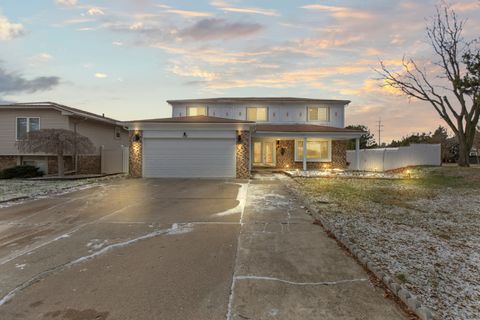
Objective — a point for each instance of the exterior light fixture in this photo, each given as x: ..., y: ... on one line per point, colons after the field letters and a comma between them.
x: 136, y: 137
x: 239, y: 138
x: 184, y: 134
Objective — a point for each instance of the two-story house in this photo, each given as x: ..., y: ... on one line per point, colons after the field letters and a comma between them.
x: 230, y: 137
x: 17, y: 119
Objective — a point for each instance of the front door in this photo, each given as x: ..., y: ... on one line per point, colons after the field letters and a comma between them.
x: 264, y: 153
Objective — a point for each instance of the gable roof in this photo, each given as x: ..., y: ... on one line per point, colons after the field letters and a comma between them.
x: 192, y: 119
x: 278, y: 100
x: 301, y: 128
x: 60, y: 107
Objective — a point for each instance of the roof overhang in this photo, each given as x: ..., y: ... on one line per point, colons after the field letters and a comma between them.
x: 64, y: 110
x: 301, y: 135
x: 147, y: 126
x: 247, y: 100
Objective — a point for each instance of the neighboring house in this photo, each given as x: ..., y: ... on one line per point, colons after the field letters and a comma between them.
x: 16, y: 120
x: 230, y: 137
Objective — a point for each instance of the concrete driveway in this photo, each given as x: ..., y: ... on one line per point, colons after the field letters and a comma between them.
x: 177, y: 249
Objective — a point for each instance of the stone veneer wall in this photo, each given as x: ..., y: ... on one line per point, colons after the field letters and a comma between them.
x: 287, y: 160
x: 7, y: 162
x: 243, y: 155
x: 89, y: 164
x: 135, y: 159
x: 53, y: 164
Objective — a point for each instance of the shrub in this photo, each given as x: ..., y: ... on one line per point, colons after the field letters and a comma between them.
x: 21, y: 172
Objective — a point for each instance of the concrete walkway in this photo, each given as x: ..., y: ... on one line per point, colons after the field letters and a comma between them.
x: 288, y: 268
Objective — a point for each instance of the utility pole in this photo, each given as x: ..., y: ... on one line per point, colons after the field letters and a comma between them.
x: 380, y: 129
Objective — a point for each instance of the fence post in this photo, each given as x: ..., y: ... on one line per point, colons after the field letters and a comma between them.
x: 357, y: 153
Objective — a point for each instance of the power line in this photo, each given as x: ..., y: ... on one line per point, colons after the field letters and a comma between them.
x: 380, y: 126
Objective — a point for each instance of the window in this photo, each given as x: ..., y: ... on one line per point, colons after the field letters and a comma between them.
x: 196, y: 111
x: 25, y: 125
x: 318, y: 114
x: 317, y: 150
x: 257, y: 114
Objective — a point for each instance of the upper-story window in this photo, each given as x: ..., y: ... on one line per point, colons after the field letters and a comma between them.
x: 196, y: 111
x: 257, y: 114
x: 318, y: 114
x: 25, y: 125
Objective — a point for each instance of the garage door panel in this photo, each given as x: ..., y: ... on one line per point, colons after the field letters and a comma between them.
x: 189, y: 157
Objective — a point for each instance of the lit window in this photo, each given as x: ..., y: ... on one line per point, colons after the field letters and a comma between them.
x: 196, y: 111
x: 25, y: 125
x: 257, y: 114
x: 318, y: 114
x: 317, y: 150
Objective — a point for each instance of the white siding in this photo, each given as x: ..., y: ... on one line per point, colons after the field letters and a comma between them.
x: 197, y: 158
x: 277, y: 113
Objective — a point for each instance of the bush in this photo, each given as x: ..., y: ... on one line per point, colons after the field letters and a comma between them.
x: 21, y: 172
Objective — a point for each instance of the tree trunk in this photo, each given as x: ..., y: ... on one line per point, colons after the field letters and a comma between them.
x: 463, y: 153
x: 61, y: 169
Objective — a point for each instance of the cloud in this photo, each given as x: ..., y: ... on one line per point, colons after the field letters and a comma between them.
x: 188, y: 13
x: 101, y: 75
x: 8, y: 30
x: 466, y: 6
x: 117, y: 43
x: 265, y: 12
x: 67, y: 3
x: 226, y: 6
x: 95, y: 11
x: 339, y: 12
x: 11, y: 82
x: 219, y: 29
x: 40, y: 58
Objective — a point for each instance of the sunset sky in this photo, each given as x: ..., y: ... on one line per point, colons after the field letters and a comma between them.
x: 124, y: 58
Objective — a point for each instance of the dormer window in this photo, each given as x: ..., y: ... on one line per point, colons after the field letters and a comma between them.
x: 257, y: 114
x: 318, y: 114
x: 196, y: 111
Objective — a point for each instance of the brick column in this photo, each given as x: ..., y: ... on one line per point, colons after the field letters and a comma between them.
x: 339, y: 154
x: 135, y: 157
x: 243, y: 154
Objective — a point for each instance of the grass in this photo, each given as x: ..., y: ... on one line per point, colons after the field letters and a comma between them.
x: 423, y: 230
x: 425, y: 183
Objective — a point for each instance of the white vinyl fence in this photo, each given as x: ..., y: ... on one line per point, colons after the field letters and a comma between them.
x: 392, y: 158
x: 115, y: 160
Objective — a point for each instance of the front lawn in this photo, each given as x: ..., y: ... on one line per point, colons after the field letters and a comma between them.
x: 424, y: 231
x: 19, y: 189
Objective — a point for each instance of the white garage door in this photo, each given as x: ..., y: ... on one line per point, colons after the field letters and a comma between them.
x: 198, y: 158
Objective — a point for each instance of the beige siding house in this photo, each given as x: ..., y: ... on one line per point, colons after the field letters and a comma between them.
x: 18, y: 119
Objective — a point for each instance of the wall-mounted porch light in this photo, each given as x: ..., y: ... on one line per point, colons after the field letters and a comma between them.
x: 184, y: 134
x: 239, y: 138
x: 136, y: 137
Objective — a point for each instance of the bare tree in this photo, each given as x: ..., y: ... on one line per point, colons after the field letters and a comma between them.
x: 56, y: 141
x: 455, y: 93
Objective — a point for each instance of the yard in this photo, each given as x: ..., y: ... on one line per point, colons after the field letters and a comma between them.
x: 423, y: 230
x: 22, y: 189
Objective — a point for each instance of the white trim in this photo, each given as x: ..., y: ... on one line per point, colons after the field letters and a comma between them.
x: 328, y: 159
x: 193, y: 106
x: 262, y: 151
x: 28, y: 125
x: 256, y: 120
x: 318, y: 107
x: 293, y: 135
